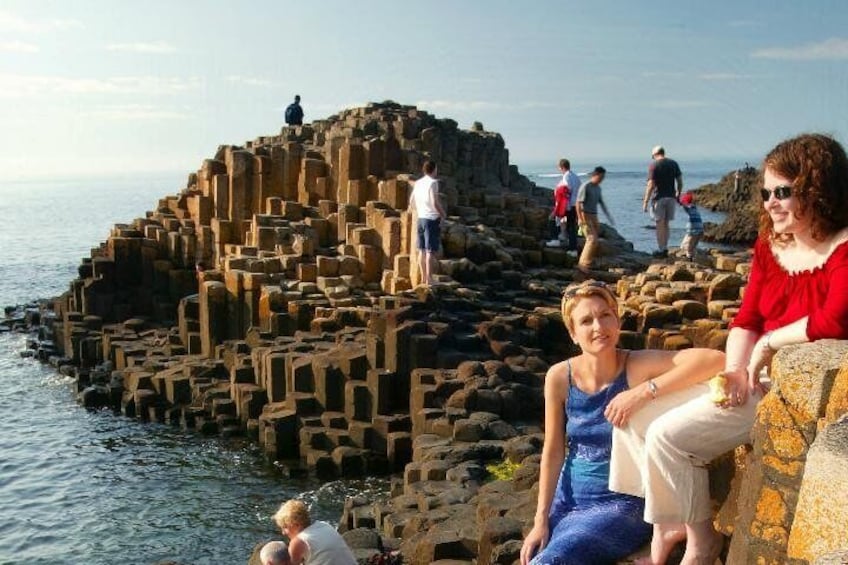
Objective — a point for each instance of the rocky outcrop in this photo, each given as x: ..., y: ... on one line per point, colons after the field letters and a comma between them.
x: 792, y: 497
x: 736, y: 194
x: 303, y: 330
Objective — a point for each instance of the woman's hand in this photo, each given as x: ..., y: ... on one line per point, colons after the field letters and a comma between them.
x: 535, y: 542
x: 737, y: 388
x: 760, y: 358
x: 624, y: 405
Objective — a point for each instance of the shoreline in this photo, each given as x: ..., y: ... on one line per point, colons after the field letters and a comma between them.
x: 310, y: 335
x: 356, y: 516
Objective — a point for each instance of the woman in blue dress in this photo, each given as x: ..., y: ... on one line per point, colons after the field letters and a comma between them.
x: 578, y: 519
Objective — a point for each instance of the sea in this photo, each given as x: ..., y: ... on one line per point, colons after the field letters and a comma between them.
x: 92, y: 487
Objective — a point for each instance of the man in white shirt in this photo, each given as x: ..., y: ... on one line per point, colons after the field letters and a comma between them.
x: 425, y: 201
x: 572, y: 181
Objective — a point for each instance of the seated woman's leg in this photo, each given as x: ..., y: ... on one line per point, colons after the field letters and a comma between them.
x: 678, y: 446
x: 604, y: 533
x: 627, y: 460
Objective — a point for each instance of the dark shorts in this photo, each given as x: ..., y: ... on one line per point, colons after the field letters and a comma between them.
x: 429, y: 234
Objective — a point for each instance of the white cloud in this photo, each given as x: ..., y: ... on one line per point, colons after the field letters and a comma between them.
x: 722, y: 76
x: 680, y: 104
x: 249, y: 81
x: 135, y: 112
x: 469, y: 105
x: 16, y: 46
x: 746, y: 23
x: 157, y: 47
x: 833, y: 48
x: 13, y: 23
x: 18, y: 86
x: 669, y: 75
x: 458, y: 105
x: 663, y: 74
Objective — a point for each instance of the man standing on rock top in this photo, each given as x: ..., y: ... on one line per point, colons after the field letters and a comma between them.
x: 663, y: 175
x: 294, y: 113
x: 425, y: 201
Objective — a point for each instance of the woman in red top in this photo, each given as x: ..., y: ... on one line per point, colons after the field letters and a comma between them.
x: 797, y: 292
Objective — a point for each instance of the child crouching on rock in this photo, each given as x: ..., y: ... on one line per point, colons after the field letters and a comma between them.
x: 694, y: 226
x: 311, y: 543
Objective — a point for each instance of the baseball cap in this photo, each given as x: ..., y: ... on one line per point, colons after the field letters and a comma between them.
x: 687, y: 198
x: 657, y: 149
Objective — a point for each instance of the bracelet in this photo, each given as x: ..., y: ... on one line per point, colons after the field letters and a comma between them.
x: 768, y: 342
x: 652, y: 387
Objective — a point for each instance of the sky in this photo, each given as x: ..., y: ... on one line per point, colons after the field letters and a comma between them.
x: 102, y: 87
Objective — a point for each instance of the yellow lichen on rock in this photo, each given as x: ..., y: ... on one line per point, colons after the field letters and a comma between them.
x: 771, y: 508
x: 838, y: 403
x: 787, y: 443
x: 821, y: 516
x: 788, y: 468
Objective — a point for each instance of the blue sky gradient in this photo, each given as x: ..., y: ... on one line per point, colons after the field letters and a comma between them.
x: 90, y: 87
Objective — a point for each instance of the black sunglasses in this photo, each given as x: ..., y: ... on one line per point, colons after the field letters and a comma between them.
x: 781, y: 192
x: 581, y: 288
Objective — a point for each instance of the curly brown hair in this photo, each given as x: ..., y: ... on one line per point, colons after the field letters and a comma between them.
x: 818, y: 167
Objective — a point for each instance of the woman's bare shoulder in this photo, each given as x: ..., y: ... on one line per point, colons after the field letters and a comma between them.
x: 558, y: 372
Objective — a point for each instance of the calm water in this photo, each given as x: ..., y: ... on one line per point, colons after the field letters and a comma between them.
x: 90, y: 487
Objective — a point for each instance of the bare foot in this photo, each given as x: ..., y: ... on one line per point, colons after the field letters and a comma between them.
x: 666, y: 536
x: 704, y: 555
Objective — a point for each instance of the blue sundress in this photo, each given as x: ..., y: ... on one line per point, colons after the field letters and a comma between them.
x: 589, y: 524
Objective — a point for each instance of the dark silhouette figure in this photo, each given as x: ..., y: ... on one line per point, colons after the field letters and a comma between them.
x: 294, y: 113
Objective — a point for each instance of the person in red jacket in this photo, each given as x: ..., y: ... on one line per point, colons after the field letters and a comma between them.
x: 562, y: 199
x: 797, y: 292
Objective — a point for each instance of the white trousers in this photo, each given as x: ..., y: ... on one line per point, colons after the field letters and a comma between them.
x: 662, y: 453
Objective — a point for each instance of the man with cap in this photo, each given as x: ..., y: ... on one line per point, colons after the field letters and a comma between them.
x: 665, y: 183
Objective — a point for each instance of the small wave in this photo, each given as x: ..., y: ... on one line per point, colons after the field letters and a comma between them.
x: 57, y: 380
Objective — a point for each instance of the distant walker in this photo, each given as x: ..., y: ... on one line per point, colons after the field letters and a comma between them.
x: 294, y: 113
x: 665, y: 183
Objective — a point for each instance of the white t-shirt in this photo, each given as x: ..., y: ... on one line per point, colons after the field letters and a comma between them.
x: 573, y: 181
x: 423, y: 197
x: 325, y: 546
